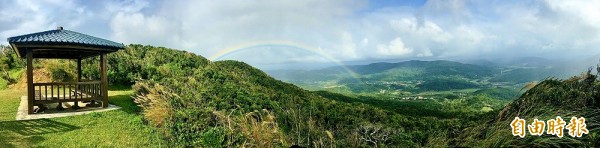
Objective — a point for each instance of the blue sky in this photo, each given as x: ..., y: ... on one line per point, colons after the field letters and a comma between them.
x: 378, y: 4
x: 327, y: 30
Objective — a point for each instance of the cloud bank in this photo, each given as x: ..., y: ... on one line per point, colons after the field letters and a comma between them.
x: 345, y: 30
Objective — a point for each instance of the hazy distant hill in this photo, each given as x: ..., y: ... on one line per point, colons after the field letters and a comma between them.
x: 408, y: 70
x: 440, y: 75
x: 407, y: 76
x: 523, y: 75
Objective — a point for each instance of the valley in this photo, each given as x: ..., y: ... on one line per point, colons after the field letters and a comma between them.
x: 420, y: 79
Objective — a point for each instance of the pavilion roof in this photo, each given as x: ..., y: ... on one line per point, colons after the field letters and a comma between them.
x: 63, y: 44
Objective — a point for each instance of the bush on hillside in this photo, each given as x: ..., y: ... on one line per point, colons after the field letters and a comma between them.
x: 577, y: 96
x: 209, y: 99
x: 60, y: 75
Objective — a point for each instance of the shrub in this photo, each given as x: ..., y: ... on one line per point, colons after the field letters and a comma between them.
x: 213, y: 137
x: 60, y: 75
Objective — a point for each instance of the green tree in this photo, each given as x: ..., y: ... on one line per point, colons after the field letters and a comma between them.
x: 8, y: 61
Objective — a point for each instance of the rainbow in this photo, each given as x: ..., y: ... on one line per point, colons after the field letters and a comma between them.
x: 282, y: 43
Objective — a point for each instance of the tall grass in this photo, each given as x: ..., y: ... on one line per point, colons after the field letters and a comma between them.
x: 255, y: 129
x: 577, y: 96
x: 156, y: 108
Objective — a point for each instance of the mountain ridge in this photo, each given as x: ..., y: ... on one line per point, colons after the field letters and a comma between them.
x: 435, y: 68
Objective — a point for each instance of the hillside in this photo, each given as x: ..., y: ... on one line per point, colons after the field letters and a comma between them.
x: 574, y: 97
x: 238, y: 105
x: 192, y: 101
x: 195, y: 102
x: 229, y: 103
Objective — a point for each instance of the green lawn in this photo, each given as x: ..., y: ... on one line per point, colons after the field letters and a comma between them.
x: 9, y: 102
x: 3, y: 84
x: 118, y: 128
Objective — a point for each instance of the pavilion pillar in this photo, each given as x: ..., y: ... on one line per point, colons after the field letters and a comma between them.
x: 76, y: 104
x: 79, y: 70
x: 30, y: 89
x: 104, y: 82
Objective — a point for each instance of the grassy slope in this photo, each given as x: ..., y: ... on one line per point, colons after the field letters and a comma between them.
x: 119, y: 128
x: 13, y: 73
x: 229, y: 86
x: 550, y: 98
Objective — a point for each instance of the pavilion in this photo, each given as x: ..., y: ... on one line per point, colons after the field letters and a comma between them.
x: 64, y: 44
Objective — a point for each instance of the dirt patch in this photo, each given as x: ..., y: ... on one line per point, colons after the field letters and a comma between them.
x: 39, y: 76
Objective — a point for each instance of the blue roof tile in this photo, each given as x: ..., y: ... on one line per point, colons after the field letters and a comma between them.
x: 64, y: 36
x: 62, y: 44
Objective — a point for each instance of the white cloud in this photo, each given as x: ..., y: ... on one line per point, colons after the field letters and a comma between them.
x: 425, y: 53
x: 365, y: 42
x: 348, y: 46
x: 27, y: 16
x: 585, y: 10
x: 427, y: 30
x: 138, y: 28
x: 346, y: 30
x: 394, y: 48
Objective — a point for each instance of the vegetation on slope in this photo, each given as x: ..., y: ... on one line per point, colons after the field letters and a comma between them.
x: 499, y: 93
x: 445, y: 84
x: 230, y: 103
x: 9, y: 66
x: 577, y: 96
x: 221, y: 103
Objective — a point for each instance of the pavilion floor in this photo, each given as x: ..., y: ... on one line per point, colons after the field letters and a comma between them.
x: 52, y: 112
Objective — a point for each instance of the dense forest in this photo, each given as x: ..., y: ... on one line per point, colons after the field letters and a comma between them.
x: 201, y: 103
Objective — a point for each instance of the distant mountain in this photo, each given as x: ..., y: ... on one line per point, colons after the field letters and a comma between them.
x: 480, y: 62
x: 438, y: 75
x: 401, y: 71
x: 528, y: 62
x: 439, y: 67
x: 523, y: 75
x: 527, y: 69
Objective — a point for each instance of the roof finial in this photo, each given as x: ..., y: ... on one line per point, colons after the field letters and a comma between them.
x: 59, y: 28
